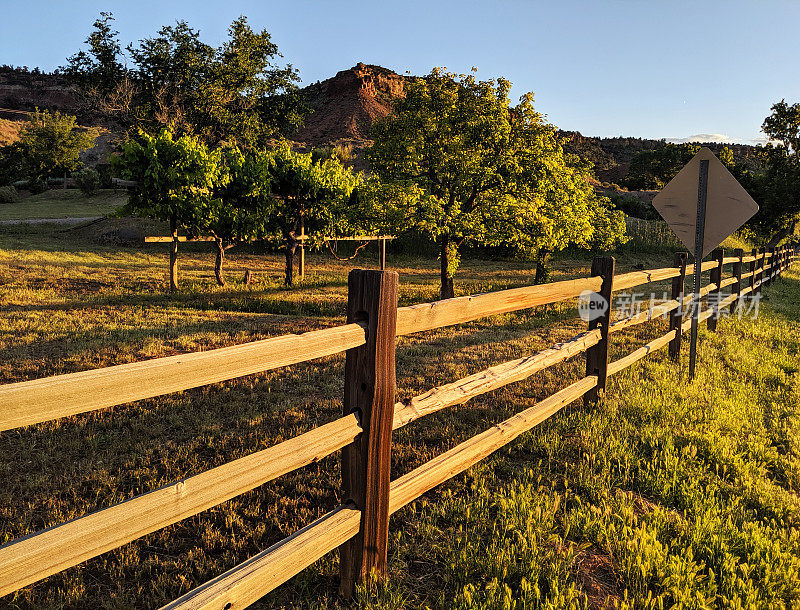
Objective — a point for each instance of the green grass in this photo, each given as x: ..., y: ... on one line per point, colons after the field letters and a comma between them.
x: 665, y: 494
x: 69, y: 203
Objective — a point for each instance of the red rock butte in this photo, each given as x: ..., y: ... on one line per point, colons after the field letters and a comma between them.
x: 347, y: 105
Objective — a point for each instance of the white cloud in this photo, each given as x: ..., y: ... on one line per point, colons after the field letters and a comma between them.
x: 720, y: 138
x: 704, y: 137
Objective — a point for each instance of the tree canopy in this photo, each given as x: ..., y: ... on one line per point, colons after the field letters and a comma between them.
x: 237, y: 92
x: 50, y: 143
x: 487, y: 173
x: 175, y: 181
x: 315, y: 198
x: 777, y: 187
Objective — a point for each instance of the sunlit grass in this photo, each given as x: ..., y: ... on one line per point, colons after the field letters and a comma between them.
x: 64, y: 203
x: 664, y: 493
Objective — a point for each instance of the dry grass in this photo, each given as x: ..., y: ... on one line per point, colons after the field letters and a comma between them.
x: 9, y: 131
x: 68, y: 305
x: 60, y: 203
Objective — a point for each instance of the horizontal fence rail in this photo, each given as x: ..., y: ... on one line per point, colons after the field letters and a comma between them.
x: 368, y: 343
x: 41, y: 400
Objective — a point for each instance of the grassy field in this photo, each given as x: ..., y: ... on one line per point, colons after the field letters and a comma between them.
x: 69, y: 203
x: 665, y: 494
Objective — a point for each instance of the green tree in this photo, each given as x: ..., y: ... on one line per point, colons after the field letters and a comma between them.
x: 242, y: 206
x: 51, y: 143
x: 99, y: 68
x: 236, y: 93
x: 175, y: 180
x: 487, y: 173
x: 653, y: 169
x: 315, y: 198
x: 777, y: 186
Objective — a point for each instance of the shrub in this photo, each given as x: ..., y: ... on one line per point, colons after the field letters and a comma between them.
x: 8, y: 194
x: 37, y: 186
x: 88, y: 180
x: 106, y: 173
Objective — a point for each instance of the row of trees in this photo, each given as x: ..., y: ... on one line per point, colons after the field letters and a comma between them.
x: 237, y: 195
x: 455, y: 163
x: 237, y: 92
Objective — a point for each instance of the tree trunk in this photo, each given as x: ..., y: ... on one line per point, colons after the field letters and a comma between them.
x: 301, y: 267
x: 173, y: 257
x: 780, y: 235
x: 219, y: 262
x: 541, y: 267
x: 291, y: 245
x: 446, y: 291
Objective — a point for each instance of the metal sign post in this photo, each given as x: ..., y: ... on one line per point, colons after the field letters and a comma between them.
x: 699, y: 233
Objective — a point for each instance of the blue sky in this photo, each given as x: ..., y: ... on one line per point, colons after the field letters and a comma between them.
x: 635, y: 68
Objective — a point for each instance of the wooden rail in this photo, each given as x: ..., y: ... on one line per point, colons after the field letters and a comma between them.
x: 39, y: 555
x: 429, y: 316
x: 359, y: 527
x: 40, y: 400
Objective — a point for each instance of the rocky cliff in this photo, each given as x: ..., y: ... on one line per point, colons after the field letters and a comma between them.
x: 346, y: 105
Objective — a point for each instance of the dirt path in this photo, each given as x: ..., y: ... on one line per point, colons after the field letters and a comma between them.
x: 57, y: 221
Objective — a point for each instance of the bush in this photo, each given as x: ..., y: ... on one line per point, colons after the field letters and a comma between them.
x: 88, y: 180
x: 8, y: 194
x: 37, y: 186
x: 106, y: 173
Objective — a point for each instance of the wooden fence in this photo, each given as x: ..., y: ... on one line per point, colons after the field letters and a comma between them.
x: 359, y: 526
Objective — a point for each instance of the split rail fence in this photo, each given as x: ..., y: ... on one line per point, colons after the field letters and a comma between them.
x: 359, y: 526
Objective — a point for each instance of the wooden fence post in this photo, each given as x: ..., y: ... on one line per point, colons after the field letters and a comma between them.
x: 714, y: 295
x: 737, y: 273
x: 369, y: 388
x: 760, y: 270
x: 676, y: 317
x: 597, y: 355
x: 753, y: 268
x: 173, y: 260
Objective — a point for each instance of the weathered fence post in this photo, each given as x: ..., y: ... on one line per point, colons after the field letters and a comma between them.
x: 753, y: 268
x: 676, y: 317
x: 369, y: 388
x: 597, y: 355
x: 737, y: 273
x: 714, y: 295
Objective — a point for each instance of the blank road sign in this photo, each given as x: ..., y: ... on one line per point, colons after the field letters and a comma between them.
x: 728, y: 206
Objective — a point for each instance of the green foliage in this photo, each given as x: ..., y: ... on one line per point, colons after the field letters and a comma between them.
x: 99, y: 68
x: 88, y: 180
x: 51, y: 143
x: 632, y: 205
x: 653, y: 169
x: 175, y: 178
x: 8, y: 194
x: 487, y: 173
x: 234, y: 93
x: 777, y: 187
x: 11, y: 163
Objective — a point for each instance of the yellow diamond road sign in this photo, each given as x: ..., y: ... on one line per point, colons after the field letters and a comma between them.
x: 728, y: 206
